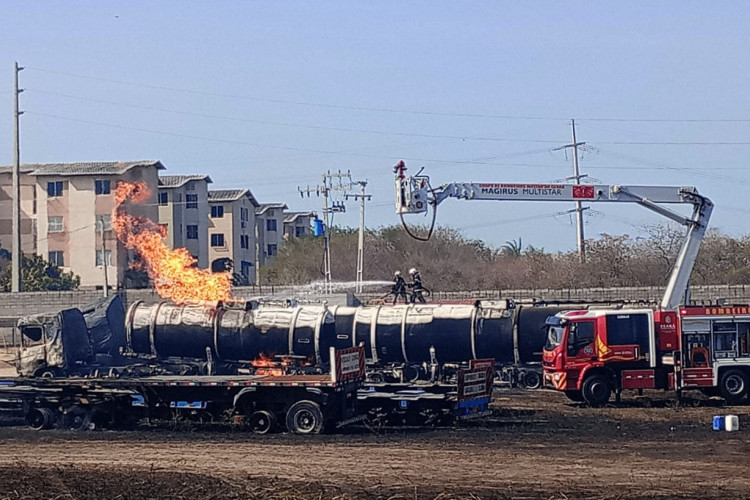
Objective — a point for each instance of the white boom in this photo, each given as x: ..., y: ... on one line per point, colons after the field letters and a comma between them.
x: 414, y: 195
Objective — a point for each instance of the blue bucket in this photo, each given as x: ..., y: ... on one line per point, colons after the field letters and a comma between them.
x: 718, y: 423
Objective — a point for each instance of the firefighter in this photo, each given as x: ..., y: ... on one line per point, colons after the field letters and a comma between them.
x: 416, y: 286
x: 399, y: 287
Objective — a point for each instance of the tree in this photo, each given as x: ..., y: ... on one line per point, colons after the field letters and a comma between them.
x: 38, y: 275
x: 512, y: 248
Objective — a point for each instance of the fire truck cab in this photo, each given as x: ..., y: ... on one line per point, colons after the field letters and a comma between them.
x: 592, y: 353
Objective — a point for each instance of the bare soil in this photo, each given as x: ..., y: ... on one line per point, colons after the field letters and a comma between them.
x: 537, y: 446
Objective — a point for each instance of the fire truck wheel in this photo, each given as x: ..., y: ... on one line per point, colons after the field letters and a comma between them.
x: 304, y: 417
x: 261, y: 422
x: 596, y: 390
x: 576, y: 396
x: 734, y: 385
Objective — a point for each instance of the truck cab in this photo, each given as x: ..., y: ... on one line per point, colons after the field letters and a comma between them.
x: 591, y: 353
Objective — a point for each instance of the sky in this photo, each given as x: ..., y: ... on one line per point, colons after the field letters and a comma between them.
x: 269, y: 95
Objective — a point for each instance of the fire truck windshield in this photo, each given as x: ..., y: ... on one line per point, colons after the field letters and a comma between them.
x: 554, y: 337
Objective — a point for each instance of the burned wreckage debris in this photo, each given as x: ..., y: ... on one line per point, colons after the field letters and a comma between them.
x: 215, y: 360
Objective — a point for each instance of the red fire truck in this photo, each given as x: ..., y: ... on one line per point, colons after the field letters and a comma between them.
x: 591, y: 354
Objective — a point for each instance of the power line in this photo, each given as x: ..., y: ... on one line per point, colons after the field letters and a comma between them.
x: 390, y: 110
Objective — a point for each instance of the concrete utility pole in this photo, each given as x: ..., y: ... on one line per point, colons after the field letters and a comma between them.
x: 16, y: 254
x: 362, y: 197
x: 577, y: 179
x: 325, y: 188
x: 104, y: 256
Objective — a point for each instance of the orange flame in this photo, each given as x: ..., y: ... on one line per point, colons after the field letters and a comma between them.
x: 173, y: 271
x: 264, y: 365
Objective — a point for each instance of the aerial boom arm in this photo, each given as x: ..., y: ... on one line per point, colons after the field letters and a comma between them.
x: 414, y: 195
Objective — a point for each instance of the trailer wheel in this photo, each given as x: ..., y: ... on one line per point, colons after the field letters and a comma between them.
x: 305, y: 417
x: 532, y: 379
x: 77, y: 418
x: 40, y: 418
x: 734, y: 386
x: 262, y: 422
x: 596, y: 390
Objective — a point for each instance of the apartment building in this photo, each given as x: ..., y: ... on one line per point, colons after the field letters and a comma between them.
x: 298, y: 224
x: 72, y: 202
x: 232, y: 232
x: 269, y: 231
x: 28, y: 209
x: 184, y: 213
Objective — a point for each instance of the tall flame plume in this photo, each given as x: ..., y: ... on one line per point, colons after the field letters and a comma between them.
x: 172, y: 271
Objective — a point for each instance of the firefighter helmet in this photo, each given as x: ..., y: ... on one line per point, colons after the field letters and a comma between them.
x: 413, y: 270
x: 397, y: 273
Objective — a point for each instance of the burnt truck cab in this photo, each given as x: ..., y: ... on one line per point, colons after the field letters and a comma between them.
x: 52, y: 344
x: 591, y: 353
x: 71, y: 341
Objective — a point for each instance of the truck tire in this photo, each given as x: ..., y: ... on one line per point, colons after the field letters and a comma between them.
x: 596, y: 390
x: 532, y: 379
x: 40, y: 418
x: 262, y: 422
x: 734, y: 386
x: 76, y: 418
x: 305, y: 417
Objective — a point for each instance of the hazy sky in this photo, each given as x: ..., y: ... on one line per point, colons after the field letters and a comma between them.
x: 269, y: 95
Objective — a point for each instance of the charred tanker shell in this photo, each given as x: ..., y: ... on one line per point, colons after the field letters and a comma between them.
x: 232, y: 332
x: 508, y: 332
x: 501, y: 330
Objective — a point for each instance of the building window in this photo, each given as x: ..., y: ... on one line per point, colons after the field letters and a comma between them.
x: 163, y: 198
x: 164, y: 229
x: 217, y: 240
x: 191, y: 186
x: 217, y: 211
x: 107, y: 219
x: 107, y: 256
x: 244, y: 214
x: 55, y: 224
x: 191, y: 200
x: 54, y: 188
x: 57, y: 258
x: 245, y: 268
x: 244, y: 241
x: 192, y: 232
x: 299, y: 231
x: 271, y: 225
x: 33, y: 206
x: 272, y: 250
x: 101, y: 186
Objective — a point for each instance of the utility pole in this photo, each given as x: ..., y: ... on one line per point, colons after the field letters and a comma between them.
x: 16, y: 254
x: 104, y: 256
x: 577, y: 180
x: 362, y: 197
x: 326, y: 188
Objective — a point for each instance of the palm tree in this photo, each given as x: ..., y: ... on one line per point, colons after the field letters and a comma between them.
x: 512, y: 248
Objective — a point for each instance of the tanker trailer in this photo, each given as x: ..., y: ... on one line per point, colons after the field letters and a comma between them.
x: 231, y: 332
x: 409, y: 341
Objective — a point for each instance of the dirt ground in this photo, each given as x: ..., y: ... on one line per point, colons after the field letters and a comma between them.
x: 537, y: 446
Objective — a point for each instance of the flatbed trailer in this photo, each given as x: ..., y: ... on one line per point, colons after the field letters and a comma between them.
x: 303, y: 404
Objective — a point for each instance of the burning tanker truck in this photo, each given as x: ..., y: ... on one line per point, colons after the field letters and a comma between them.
x: 402, y: 342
